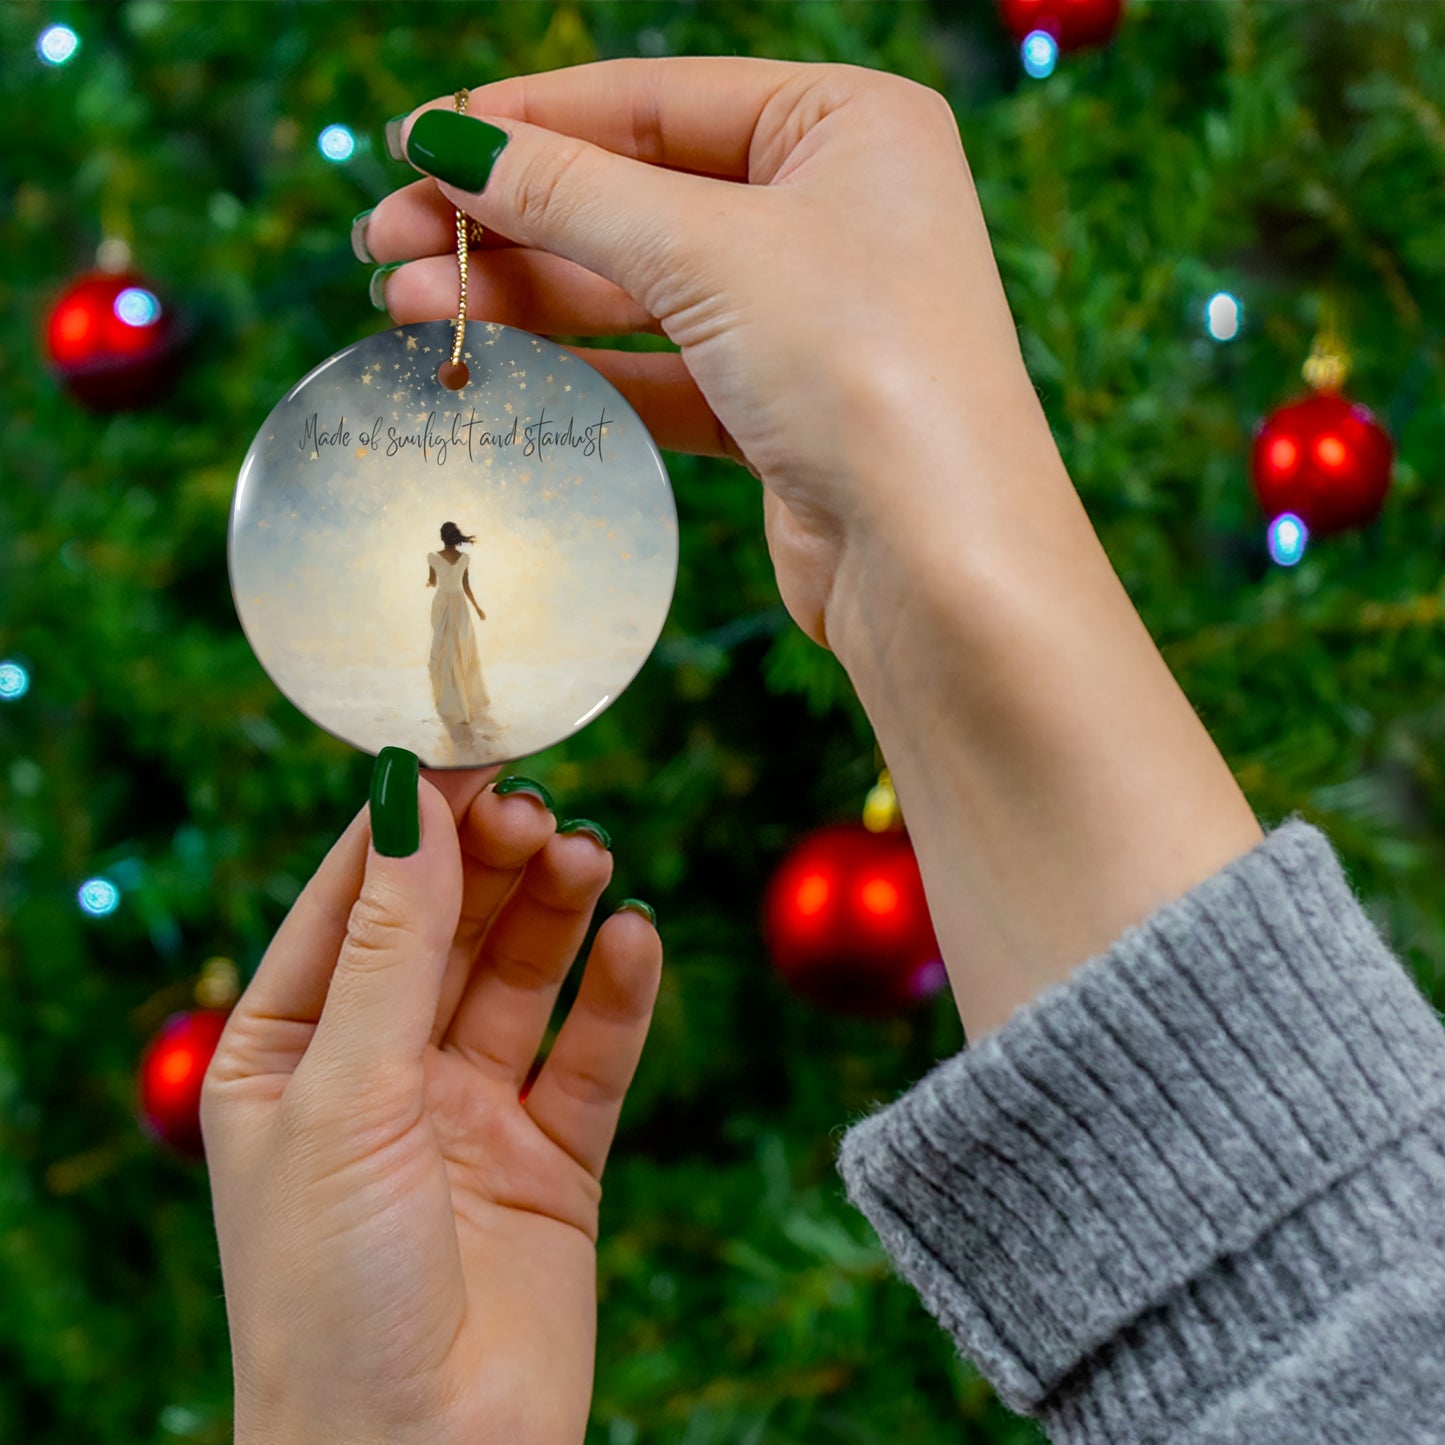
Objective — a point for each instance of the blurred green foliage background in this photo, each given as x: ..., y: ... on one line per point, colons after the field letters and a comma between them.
x: 1288, y: 153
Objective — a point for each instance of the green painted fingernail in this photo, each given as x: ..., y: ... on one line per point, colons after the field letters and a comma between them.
x: 586, y: 825
x: 455, y: 148
x: 377, y: 289
x: 529, y: 786
x: 359, y: 248
x: 636, y: 905
x: 395, y: 811
x: 393, y: 137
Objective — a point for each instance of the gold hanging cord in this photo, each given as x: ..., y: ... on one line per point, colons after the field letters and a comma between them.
x: 454, y: 374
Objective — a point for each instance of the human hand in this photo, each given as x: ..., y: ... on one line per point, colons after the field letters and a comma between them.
x: 407, y: 1245
x: 842, y: 325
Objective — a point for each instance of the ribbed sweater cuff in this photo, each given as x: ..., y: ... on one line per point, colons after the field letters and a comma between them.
x: 1232, y: 1058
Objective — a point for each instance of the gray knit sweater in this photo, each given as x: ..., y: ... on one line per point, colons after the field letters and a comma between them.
x: 1196, y: 1193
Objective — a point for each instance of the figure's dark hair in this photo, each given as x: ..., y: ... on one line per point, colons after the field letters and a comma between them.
x: 452, y: 534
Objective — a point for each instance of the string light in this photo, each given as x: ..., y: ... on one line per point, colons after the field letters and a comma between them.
x: 1287, y: 538
x: 1223, y: 316
x: 57, y: 44
x: 98, y: 897
x: 137, y: 307
x: 1040, y: 54
x: 14, y: 681
x: 336, y: 143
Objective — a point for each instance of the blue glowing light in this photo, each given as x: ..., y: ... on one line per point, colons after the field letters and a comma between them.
x: 14, y: 681
x: 1223, y: 316
x: 1287, y: 538
x: 57, y: 44
x: 98, y: 897
x: 137, y: 307
x: 337, y: 143
x: 1040, y: 53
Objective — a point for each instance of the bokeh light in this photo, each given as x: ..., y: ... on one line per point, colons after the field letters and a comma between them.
x: 57, y: 44
x: 1287, y: 538
x: 98, y: 897
x: 138, y: 307
x: 1040, y: 53
x: 14, y: 681
x: 336, y: 143
x: 1223, y: 316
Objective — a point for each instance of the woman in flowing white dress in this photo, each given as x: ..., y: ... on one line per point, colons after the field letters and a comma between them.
x: 458, y: 690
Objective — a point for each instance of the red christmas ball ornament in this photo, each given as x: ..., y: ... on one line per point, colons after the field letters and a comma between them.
x: 1324, y: 458
x: 111, y: 341
x: 1074, y: 24
x: 171, y: 1072
x: 847, y: 923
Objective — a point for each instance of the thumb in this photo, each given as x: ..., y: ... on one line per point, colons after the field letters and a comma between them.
x: 623, y: 219
x: 382, y: 1000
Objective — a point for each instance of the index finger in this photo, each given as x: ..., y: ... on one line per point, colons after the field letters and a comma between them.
x: 687, y: 112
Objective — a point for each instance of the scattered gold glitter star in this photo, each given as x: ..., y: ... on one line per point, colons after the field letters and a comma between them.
x: 506, y: 406
x: 366, y: 378
x: 550, y: 377
x: 411, y: 343
x: 568, y: 387
x: 360, y: 452
x: 314, y: 457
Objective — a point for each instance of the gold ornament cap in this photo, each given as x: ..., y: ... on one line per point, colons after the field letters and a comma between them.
x: 881, y: 813
x: 219, y: 985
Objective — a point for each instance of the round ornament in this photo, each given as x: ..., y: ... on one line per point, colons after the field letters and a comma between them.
x: 111, y: 341
x: 847, y: 923
x: 1073, y: 24
x: 471, y: 565
x: 1324, y: 458
x: 172, y: 1071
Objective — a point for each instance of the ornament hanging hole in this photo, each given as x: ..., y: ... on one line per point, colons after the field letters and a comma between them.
x: 453, y: 375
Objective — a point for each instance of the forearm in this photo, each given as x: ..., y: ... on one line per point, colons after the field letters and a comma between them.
x: 1056, y: 782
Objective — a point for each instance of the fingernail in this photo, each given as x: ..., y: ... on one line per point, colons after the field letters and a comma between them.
x: 395, y: 811
x: 532, y: 788
x: 377, y: 289
x: 359, y: 248
x: 636, y: 905
x: 586, y: 825
x: 393, y: 137
x: 455, y: 148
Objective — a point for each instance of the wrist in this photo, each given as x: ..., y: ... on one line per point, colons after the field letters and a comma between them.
x: 1056, y: 782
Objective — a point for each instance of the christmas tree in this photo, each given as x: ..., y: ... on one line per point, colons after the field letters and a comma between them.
x: 1277, y: 163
